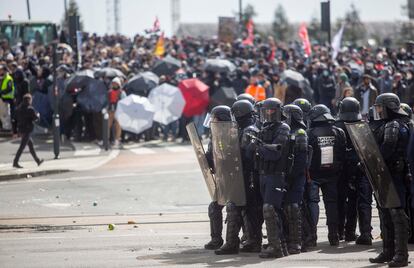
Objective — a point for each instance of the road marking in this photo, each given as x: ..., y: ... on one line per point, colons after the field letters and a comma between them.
x: 178, y: 149
x: 142, y: 151
x: 87, y: 152
x: 121, y: 175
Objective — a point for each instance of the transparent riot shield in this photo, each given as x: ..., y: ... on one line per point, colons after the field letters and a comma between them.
x: 375, y: 168
x: 228, y: 163
x: 202, y: 161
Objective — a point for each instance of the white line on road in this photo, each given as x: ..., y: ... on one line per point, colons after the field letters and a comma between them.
x: 87, y: 152
x: 178, y: 149
x: 121, y: 175
x: 141, y: 151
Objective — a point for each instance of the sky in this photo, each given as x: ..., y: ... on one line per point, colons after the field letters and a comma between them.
x: 138, y: 15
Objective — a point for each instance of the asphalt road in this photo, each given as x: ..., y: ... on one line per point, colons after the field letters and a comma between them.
x: 158, y: 202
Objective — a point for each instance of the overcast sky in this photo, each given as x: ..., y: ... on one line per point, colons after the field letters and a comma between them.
x: 137, y: 15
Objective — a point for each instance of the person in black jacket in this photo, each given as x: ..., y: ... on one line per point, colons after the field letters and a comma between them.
x: 328, y: 143
x: 26, y: 115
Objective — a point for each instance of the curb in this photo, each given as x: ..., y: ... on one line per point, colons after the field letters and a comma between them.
x: 26, y: 175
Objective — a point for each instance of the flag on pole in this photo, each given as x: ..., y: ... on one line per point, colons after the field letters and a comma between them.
x: 336, y: 42
x: 303, y: 34
x: 156, y: 25
x: 250, y: 36
x: 159, y: 47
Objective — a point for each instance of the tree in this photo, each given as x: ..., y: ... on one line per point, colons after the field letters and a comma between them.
x: 248, y: 13
x: 73, y: 9
x: 406, y: 31
x: 354, y: 31
x: 314, y: 30
x: 281, y: 28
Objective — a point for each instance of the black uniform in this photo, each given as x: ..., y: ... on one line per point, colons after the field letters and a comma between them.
x: 296, y: 177
x: 273, y: 164
x: 392, y: 136
x: 328, y: 143
x: 354, y: 189
x: 243, y: 111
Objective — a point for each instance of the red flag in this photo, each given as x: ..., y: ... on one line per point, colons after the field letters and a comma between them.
x: 250, y: 36
x: 156, y: 26
x: 303, y: 34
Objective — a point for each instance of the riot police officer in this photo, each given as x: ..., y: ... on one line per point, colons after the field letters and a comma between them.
x: 273, y: 164
x: 392, y: 137
x: 355, y: 194
x: 296, y: 177
x: 218, y: 113
x: 328, y: 143
x: 244, y: 114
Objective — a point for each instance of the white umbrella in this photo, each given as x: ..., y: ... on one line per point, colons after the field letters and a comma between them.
x: 135, y: 113
x: 168, y: 102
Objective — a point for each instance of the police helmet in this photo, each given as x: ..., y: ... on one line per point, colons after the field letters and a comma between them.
x: 247, y: 97
x: 221, y: 113
x: 272, y: 110
x: 293, y: 113
x: 349, y: 110
x: 303, y: 104
x: 385, y: 104
x: 320, y: 113
x: 407, y: 109
x: 242, y: 108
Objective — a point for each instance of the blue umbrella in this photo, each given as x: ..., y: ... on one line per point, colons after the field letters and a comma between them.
x: 42, y: 106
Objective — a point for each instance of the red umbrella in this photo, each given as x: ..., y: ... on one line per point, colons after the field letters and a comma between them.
x: 196, y: 96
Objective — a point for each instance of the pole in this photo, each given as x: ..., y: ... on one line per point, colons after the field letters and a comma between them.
x: 28, y: 9
x: 105, y: 129
x: 329, y: 29
x: 56, y: 118
x: 240, y: 12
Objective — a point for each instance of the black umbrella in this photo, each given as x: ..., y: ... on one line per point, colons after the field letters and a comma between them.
x: 79, y: 81
x: 141, y: 84
x: 223, y: 96
x: 297, y: 86
x: 109, y: 73
x: 219, y: 65
x: 94, y: 97
x: 293, y: 78
x: 66, y: 106
x: 167, y: 66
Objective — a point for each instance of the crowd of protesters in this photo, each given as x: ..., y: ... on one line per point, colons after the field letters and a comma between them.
x: 362, y: 72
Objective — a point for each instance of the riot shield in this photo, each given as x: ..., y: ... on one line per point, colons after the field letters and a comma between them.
x: 374, y: 165
x: 227, y: 163
x: 202, y: 161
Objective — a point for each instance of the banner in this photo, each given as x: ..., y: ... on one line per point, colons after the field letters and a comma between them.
x: 227, y: 30
x: 336, y: 42
x: 250, y: 33
x: 303, y: 34
x: 159, y: 47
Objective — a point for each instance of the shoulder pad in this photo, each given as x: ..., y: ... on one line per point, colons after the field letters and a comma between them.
x: 284, y: 127
x: 300, y: 131
x: 392, y: 124
x: 251, y: 128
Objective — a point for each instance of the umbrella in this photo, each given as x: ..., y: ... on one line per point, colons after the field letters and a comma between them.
x: 219, y: 65
x: 168, y: 103
x: 196, y: 96
x: 42, y: 106
x: 135, y: 113
x: 94, y: 97
x: 79, y: 80
x: 141, y: 84
x: 167, y: 66
x: 109, y: 73
x: 66, y: 106
x: 297, y: 85
x: 293, y: 78
x: 223, y: 96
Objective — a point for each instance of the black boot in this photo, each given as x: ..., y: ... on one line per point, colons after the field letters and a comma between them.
x: 295, y: 228
x: 272, y: 220
x: 401, y: 232
x: 216, y: 226
x: 253, y: 226
x: 387, y: 238
x: 234, y: 223
x: 333, y: 235
x: 350, y: 236
x: 364, y: 239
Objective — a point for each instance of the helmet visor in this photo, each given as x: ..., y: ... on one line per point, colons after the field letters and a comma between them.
x: 271, y: 115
